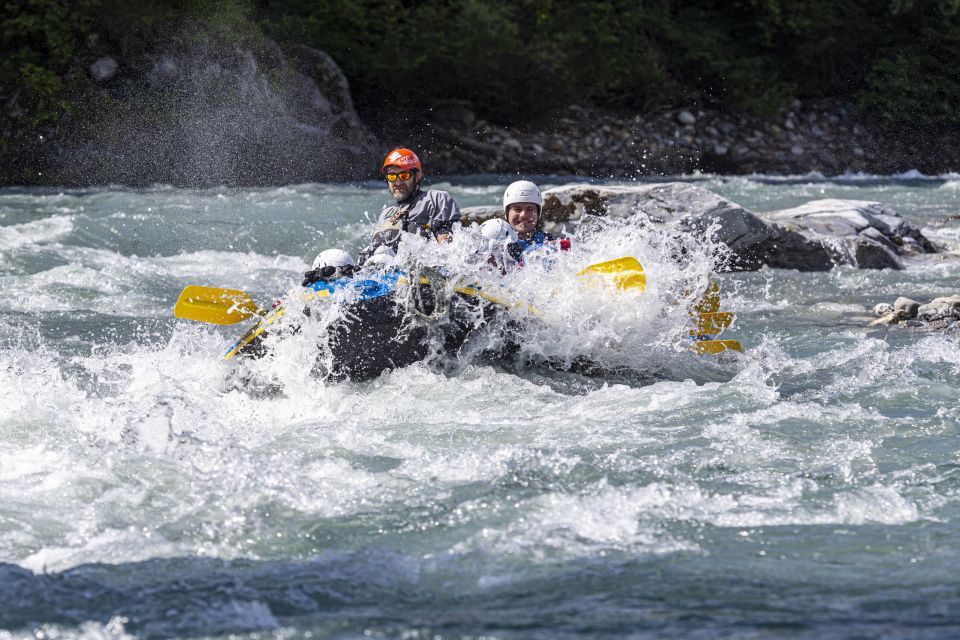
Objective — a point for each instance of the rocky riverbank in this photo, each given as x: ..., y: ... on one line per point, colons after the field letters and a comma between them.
x: 822, y: 136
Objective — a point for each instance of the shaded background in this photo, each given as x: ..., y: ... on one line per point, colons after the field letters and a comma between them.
x: 266, y: 92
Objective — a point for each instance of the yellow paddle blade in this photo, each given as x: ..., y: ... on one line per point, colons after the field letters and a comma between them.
x: 625, y: 273
x: 214, y: 305
x: 710, y: 301
x: 711, y: 323
x: 711, y: 347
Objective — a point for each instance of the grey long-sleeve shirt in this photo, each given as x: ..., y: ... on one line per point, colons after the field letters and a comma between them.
x: 430, y: 213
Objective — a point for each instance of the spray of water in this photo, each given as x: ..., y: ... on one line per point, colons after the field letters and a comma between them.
x: 547, y: 315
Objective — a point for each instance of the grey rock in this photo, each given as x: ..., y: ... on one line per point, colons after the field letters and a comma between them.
x: 752, y: 241
x: 907, y: 306
x: 935, y: 310
x: 687, y: 118
x: 883, y: 309
x: 457, y: 114
x: 103, y: 69
x: 479, y: 214
x: 869, y: 235
x: 212, y: 112
x: 870, y: 254
x: 949, y: 307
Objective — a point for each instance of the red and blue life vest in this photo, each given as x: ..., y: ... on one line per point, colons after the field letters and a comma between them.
x: 539, y: 241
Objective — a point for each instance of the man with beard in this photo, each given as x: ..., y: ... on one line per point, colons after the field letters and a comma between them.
x: 428, y: 213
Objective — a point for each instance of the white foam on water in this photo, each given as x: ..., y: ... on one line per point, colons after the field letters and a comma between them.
x: 36, y: 233
x: 116, y: 449
x: 114, y: 629
x: 601, y: 519
x: 106, y: 282
x: 947, y: 237
x: 566, y: 316
x: 790, y: 506
x: 35, y: 389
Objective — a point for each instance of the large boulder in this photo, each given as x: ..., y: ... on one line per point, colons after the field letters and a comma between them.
x: 753, y: 241
x: 814, y: 237
x: 211, y: 108
x: 869, y: 235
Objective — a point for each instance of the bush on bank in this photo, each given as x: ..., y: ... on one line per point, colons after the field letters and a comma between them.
x: 518, y: 61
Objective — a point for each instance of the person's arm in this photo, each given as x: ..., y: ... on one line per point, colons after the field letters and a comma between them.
x: 446, y: 214
x: 379, y: 236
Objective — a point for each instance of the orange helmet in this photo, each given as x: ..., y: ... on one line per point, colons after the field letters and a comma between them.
x: 403, y: 158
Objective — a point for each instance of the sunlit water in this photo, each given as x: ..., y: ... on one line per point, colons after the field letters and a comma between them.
x: 807, y: 489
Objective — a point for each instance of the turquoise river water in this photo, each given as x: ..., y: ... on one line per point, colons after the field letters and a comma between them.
x: 809, y: 488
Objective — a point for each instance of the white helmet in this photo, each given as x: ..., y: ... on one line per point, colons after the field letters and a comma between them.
x: 497, y: 230
x: 381, y: 255
x: 333, y: 258
x: 522, y: 191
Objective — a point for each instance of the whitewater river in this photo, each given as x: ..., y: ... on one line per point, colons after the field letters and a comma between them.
x: 807, y: 489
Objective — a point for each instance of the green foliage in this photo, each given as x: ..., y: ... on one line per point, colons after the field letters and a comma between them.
x: 914, y: 82
x: 40, y: 38
x: 902, y: 92
x: 45, y: 89
x: 517, y: 60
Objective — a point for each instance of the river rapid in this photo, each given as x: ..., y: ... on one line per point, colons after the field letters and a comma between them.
x: 809, y: 488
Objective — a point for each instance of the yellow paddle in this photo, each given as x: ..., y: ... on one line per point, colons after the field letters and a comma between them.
x: 214, y: 305
x: 711, y: 347
x: 710, y: 301
x: 229, y: 306
x: 711, y: 323
x: 625, y: 273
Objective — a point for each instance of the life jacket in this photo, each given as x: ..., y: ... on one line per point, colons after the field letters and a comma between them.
x: 398, y: 220
x: 539, y: 241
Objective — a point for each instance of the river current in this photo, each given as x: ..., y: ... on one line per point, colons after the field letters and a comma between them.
x: 808, y: 488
